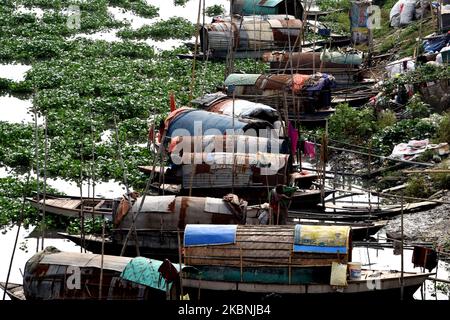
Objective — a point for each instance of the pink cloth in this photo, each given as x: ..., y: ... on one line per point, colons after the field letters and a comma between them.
x: 310, y: 149
x: 293, y: 136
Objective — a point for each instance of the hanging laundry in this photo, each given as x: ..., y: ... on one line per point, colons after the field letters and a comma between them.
x: 310, y: 149
x: 425, y: 258
x: 293, y: 136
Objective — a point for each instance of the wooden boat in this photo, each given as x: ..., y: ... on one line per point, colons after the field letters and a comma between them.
x: 360, y: 231
x: 72, y: 206
x: 290, y: 261
x: 366, y: 209
x: 55, y: 275
x: 343, y: 216
x: 93, y: 243
x: 304, y: 199
x: 13, y: 290
x: 377, y: 285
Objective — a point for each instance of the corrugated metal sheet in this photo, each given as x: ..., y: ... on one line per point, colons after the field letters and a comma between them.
x: 238, y: 79
x: 155, y: 204
x: 256, y: 36
x: 250, y: 34
x: 187, y: 210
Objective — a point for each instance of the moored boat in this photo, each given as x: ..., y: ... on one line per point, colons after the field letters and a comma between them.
x: 13, y: 290
x: 69, y: 206
x: 298, y: 262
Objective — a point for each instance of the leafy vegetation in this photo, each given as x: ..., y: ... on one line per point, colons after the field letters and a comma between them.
x: 418, y: 186
x: 90, y: 226
x: 180, y: 2
x: 215, y: 10
x: 416, y: 108
x: 175, y: 27
x: 139, y: 7
x: 352, y: 125
x: 12, y: 190
x: 82, y: 85
x: 443, y: 131
x: 386, y: 118
x: 442, y: 180
x: 403, y: 131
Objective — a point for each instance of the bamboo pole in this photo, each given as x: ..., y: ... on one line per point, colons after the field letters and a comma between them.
x: 180, y: 264
x: 43, y: 223
x: 402, y: 280
x: 197, y: 33
x: 17, y: 236
x: 36, y: 154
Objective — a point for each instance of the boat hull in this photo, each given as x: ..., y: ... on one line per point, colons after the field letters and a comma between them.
x: 388, y: 289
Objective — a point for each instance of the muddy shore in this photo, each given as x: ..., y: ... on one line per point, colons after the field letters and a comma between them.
x: 425, y: 226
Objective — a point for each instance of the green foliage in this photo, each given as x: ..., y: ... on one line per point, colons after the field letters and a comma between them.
x: 80, y: 86
x: 443, y: 131
x: 12, y: 190
x: 180, y: 2
x: 416, y: 108
x: 215, y: 10
x: 418, y: 186
x: 424, y: 73
x: 403, y: 131
x: 352, y: 125
x: 326, y: 5
x: 173, y: 28
x: 386, y: 118
x: 90, y: 226
x: 139, y: 7
x: 15, y: 142
x: 442, y: 180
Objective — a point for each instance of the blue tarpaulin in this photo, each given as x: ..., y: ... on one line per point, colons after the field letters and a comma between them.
x: 207, y: 234
x: 436, y: 44
x: 321, y: 239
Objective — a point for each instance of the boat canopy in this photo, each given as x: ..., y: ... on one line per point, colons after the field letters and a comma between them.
x: 191, y: 122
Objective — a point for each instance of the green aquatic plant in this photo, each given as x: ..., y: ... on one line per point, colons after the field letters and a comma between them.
x: 215, y: 10
x: 172, y: 28
x: 352, y: 125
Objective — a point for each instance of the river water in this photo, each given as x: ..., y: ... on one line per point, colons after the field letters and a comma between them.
x: 15, y: 110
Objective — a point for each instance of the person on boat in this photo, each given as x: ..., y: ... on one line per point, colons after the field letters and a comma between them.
x: 279, y: 202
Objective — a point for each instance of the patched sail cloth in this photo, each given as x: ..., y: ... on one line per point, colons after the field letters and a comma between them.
x: 321, y: 239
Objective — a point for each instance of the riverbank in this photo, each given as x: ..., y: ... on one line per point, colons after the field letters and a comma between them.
x: 425, y: 226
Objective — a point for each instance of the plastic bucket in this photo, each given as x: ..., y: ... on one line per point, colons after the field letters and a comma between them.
x: 354, y: 269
